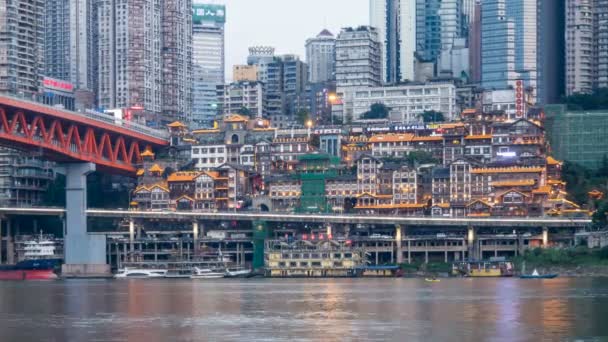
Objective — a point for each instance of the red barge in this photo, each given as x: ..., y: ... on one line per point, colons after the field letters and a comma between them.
x: 41, y: 269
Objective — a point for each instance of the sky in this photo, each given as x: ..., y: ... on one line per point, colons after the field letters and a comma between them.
x: 284, y: 24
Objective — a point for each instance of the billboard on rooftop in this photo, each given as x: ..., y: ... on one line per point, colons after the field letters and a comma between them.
x: 208, y: 12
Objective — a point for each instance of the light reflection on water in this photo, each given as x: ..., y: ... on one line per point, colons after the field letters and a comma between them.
x: 305, y: 310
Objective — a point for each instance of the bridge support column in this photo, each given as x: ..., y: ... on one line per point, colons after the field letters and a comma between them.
x: 195, y: 237
x: 471, y: 242
x: 260, y: 234
x: 398, y: 243
x: 329, y: 231
x: 84, y: 253
x: 1, y: 240
x: 10, y: 243
x: 545, y: 237
x: 131, y: 239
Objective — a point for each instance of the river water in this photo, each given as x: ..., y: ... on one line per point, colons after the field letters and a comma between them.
x: 305, y: 310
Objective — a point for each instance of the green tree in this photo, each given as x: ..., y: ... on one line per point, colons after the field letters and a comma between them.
x: 377, y: 111
x: 244, y: 111
x: 597, y: 100
x: 432, y: 116
x: 302, y: 116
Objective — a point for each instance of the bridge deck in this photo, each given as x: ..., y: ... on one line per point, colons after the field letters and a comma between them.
x: 314, y: 218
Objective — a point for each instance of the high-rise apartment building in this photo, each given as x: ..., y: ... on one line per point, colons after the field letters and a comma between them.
x: 176, y: 54
x: 21, y: 46
x: 208, y: 61
x: 71, y: 46
x: 358, y: 65
x: 586, y: 43
x: 601, y: 42
x: 321, y: 57
x: 144, y: 57
x: 395, y: 22
x: 240, y: 97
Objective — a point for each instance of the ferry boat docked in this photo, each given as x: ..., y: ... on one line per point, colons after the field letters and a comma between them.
x: 41, y: 269
x: 307, y: 259
x: 495, y: 267
x: 237, y: 272
x: 40, y: 262
x: 140, y: 273
x: 206, y: 273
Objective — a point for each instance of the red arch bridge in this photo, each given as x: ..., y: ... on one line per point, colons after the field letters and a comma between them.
x: 80, y: 143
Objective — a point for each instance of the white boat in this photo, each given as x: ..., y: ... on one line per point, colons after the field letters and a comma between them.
x: 140, y: 273
x: 238, y: 272
x: 206, y: 273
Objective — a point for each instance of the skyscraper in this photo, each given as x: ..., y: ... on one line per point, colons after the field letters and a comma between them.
x: 21, y: 46
x: 600, y: 23
x: 321, y: 57
x: 176, y: 54
x: 395, y: 22
x: 130, y: 65
x: 438, y: 24
x: 579, y: 46
x: 143, y: 62
x: 208, y: 61
x: 71, y: 46
x: 508, y: 43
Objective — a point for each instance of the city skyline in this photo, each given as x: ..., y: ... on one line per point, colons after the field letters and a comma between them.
x: 306, y: 24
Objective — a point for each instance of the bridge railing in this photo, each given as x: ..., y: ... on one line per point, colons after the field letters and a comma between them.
x: 101, y: 117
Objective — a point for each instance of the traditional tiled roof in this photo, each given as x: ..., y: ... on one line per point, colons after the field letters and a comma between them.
x: 205, y: 131
x: 516, y: 182
x: 469, y: 111
x: 176, y: 124
x: 161, y: 186
x: 187, y: 176
x: 140, y: 172
x: 147, y: 153
x: 186, y: 197
x: 508, y: 170
x: 156, y: 168
x: 479, y: 201
x: 478, y: 137
x: 555, y: 182
x: 544, y: 189
x: 442, y: 205
x: 392, y: 206
x: 513, y: 190
x: 391, y: 138
x: 553, y: 161
x: 372, y: 195
x: 564, y: 201
x: 428, y: 138
x: 236, y: 118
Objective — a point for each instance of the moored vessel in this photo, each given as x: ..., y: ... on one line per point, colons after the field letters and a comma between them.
x: 206, y: 273
x: 140, y: 273
x: 39, y: 269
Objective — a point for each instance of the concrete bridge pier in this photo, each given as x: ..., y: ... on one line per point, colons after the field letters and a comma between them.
x: 131, y: 239
x: 195, y: 236
x: 84, y: 254
x: 10, y: 243
x: 472, y: 243
x: 398, y: 243
x: 260, y: 234
x: 545, y: 237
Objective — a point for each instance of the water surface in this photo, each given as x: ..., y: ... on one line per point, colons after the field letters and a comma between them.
x: 305, y: 310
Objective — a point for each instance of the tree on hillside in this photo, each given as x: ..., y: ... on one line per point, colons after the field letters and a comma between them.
x: 244, y: 111
x: 595, y: 101
x: 376, y: 111
x: 432, y: 116
x: 302, y: 116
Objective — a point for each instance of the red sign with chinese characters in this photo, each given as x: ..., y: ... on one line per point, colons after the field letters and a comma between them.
x: 57, y: 84
x: 520, y: 107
